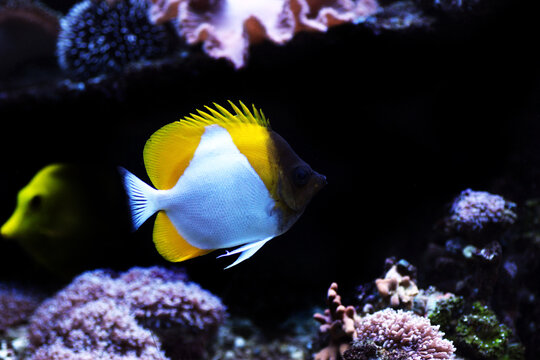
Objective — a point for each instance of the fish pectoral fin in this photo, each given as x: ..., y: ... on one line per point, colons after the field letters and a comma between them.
x: 170, y: 244
x: 246, y: 251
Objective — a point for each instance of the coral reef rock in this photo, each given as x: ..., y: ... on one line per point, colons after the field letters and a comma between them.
x: 100, y: 37
x: 474, y: 234
x: 144, y: 313
x: 228, y: 27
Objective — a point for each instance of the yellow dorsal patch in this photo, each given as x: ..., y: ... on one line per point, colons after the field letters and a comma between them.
x: 171, y: 245
x: 170, y: 149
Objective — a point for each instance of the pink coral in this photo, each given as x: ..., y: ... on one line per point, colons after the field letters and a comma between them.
x: 101, y: 312
x: 338, y: 322
x: 405, y: 331
x: 228, y: 27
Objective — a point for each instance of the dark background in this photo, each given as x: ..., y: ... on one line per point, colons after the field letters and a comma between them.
x: 399, y: 122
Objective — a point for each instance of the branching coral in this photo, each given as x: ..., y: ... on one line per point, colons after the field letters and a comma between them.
x: 119, y: 315
x: 406, y: 333
x: 338, y: 322
x: 228, y: 27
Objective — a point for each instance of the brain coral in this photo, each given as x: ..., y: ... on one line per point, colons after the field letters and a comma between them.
x: 104, y: 315
x: 228, y: 27
x: 406, y: 333
x: 98, y: 37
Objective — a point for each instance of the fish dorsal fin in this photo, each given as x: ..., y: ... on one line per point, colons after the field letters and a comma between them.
x: 170, y: 149
x: 170, y: 244
x: 223, y: 117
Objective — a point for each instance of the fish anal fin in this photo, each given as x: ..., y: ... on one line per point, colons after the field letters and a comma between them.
x: 170, y: 244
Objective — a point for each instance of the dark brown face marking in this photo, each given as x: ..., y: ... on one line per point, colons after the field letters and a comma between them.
x: 298, y: 182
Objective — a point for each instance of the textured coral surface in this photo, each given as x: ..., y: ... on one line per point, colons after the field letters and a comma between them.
x: 126, y: 316
x: 228, y: 27
x: 15, y: 306
x: 407, y: 332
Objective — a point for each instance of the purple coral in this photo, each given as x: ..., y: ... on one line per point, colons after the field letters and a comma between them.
x: 102, y: 315
x: 15, y: 306
x: 405, y: 333
x: 474, y: 210
x: 99, y: 329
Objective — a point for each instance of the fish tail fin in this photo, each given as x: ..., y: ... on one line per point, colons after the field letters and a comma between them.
x: 140, y: 198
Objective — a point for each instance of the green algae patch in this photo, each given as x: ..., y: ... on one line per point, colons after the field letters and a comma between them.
x: 475, y: 330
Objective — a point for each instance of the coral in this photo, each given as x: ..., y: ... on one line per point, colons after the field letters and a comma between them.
x: 397, y: 287
x: 474, y: 233
x: 474, y: 329
x: 99, y: 37
x: 96, y: 328
x: 228, y: 27
x: 408, y: 335
x: 444, y: 311
x: 480, y: 334
x: 473, y: 211
x: 368, y: 350
x: 337, y: 322
x: 120, y: 314
x: 16, y: 306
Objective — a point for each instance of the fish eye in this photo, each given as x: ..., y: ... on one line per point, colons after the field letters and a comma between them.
x: 301, y: 175
x: 35, y: 202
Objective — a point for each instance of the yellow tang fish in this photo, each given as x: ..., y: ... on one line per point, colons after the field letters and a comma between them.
x: 222, y: 180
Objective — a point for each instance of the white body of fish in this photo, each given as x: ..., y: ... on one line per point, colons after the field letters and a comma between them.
x: 219, y: 201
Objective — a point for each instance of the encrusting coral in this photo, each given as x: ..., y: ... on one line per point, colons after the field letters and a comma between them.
x: 102, y: 315
x: 228, y: 27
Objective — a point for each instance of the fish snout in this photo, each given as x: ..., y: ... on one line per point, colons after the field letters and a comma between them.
x: 7, y: 230
x: 320, y: 181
